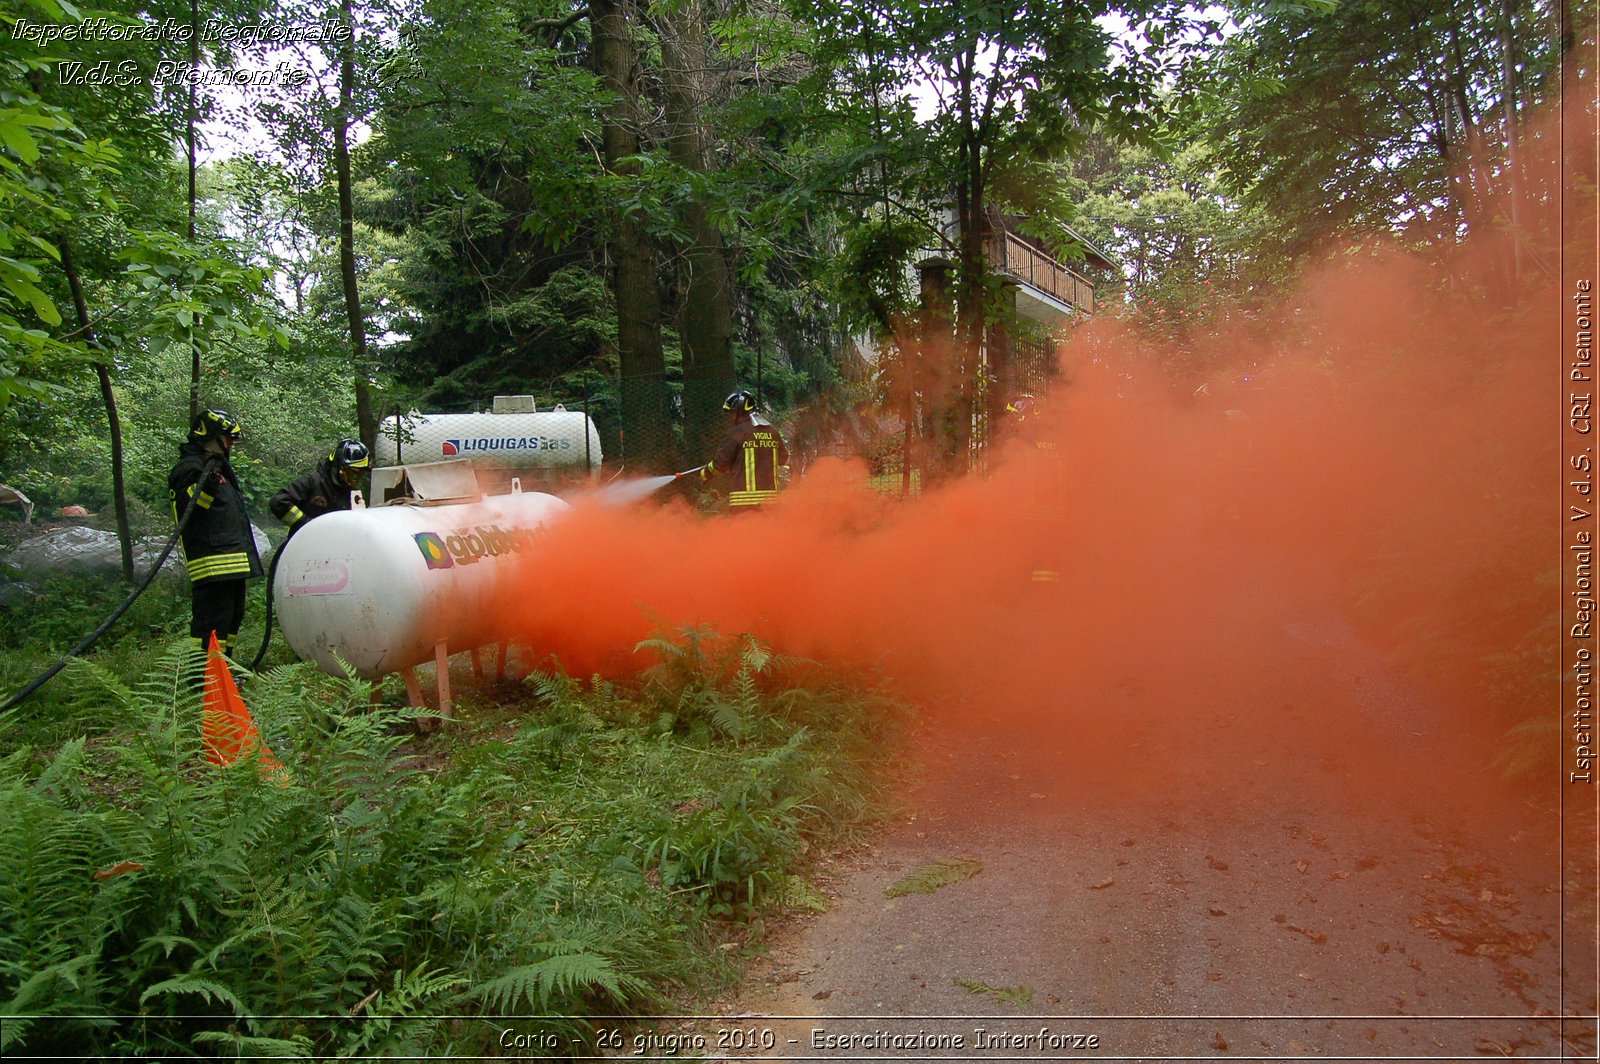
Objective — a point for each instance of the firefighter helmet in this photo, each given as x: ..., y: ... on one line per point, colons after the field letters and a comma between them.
x: 350, y: 458
x: 1023, y: 406
x: 740, y: 402
x: 219, y: 423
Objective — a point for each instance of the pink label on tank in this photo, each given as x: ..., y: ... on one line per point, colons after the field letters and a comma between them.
x: 319, y: 578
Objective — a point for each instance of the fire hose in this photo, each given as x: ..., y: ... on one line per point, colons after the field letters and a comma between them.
x: 266, y: 634
x: 93, y: 637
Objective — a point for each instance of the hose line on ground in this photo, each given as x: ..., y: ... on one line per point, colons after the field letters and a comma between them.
x: 105, y: 625
x: 266, y: 634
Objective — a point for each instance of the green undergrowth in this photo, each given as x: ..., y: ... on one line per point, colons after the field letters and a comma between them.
x: 588, y: 850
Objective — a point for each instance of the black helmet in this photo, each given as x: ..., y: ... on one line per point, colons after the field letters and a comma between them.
x: 349, y: 457
x: 740, y: 402
x: 209, y: 423
x: 1023, y: 406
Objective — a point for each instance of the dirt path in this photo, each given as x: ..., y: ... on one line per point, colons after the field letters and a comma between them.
x: 1309, y: 862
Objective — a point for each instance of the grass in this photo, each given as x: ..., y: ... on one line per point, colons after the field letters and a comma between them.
x: 565, y: 849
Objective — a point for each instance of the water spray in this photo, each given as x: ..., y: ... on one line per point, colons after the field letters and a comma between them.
x: 626, y: 492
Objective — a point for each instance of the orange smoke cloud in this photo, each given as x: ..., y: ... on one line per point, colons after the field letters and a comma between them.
x: 1383, y: 480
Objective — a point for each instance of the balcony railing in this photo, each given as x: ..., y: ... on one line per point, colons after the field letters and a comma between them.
x: 1037, y: 270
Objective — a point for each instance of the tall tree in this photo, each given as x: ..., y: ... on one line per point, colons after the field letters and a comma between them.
x: 1359, y: 118
x: 343, y: 117
x: 1006, y: 88
x: 706, y: 297
x: 108, y: 396
x: 646, y: 423
x: 487, y: 172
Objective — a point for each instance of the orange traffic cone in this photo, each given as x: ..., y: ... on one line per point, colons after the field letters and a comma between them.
x: 226, y: 727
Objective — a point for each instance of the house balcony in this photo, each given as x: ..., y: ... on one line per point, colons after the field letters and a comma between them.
x: 1048, y: 291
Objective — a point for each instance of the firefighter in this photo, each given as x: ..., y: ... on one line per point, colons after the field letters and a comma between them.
x: 1045, y: 489
x: 748, y: 457
x: 219, y: 546
x: 324, y: 489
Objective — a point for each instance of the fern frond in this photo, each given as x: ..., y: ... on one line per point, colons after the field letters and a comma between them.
x: 564, y: 975
x: 931, y: 877
x: 415, y: 995
x: 726, y: 718
x: 13, y: 1031
x: 34, y: 988
x: 190, y: 983
x: 241, y: 1046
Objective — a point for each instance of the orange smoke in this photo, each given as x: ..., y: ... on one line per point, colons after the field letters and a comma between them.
x: 1381, y: 489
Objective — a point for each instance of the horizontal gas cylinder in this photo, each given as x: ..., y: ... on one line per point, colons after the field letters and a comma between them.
x: 545, y: 439
x: 381, y: 588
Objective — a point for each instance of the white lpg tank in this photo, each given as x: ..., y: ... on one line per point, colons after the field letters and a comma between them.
x: 516, y: 435
x: 380, y: 588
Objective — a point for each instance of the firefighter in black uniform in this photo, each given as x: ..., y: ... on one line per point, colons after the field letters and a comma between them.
x: 324, y: 489
x: 749, y: 456
x: 1046, y: 491
x: 219, y: 546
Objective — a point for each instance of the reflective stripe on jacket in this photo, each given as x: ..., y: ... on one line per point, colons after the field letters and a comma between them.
x: 296, y: 502
x: 750, y: 455
x: 218, y: 542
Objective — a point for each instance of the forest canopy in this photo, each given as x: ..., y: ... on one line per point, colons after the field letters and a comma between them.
x: 315, y: 214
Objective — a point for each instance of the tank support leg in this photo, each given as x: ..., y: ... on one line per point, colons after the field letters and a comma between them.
x: 441, y: 658
x: 413, y: 688
x: 500, y: 663
x: 477, y: 665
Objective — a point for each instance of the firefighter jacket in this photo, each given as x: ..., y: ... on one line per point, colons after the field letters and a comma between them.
x: 310, y: 495
x: 1045, y: 486
x: 750, y: 456
x: 218, y: 542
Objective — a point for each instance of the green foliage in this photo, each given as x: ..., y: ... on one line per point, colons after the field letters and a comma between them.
x: 869, y: 280
x: 931, y: 877
x: 566, y: 864
x: 1346, y: 120
x: 1020, y: 996
x: 34, y: 134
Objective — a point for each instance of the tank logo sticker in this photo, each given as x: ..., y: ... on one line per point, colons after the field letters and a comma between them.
x: 322, y: 577
x: 434, y: 550
x: 468, y: 546
x: 451, y: 448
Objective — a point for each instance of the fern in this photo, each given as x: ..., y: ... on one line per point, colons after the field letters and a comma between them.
x: 208, y: 989
x: 398, y: 1020
x: 568, y: 972
x: 931, y: 877
x: 1020, y: 996
x: 240, y: 1046
x: 572, y: 865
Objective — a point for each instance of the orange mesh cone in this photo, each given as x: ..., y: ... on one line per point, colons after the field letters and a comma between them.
x: 226, y: 727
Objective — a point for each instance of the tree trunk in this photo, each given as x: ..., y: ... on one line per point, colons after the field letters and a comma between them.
x: 705, y: 311
x: 646, y: 421
x: 1472, y: 158
x: 194, y: 67
x: 1508, y: 110
x: 366, y: 423
x: 119, y: 493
